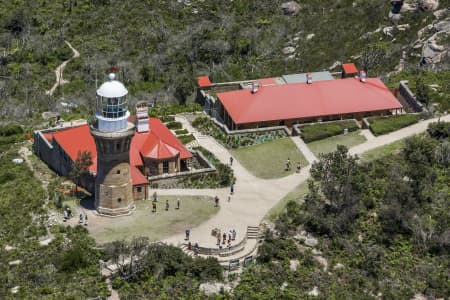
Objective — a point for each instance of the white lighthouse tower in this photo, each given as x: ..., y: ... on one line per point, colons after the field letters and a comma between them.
x: 112, y: 133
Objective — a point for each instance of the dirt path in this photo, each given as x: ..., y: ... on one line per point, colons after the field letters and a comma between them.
x: 59, y: 70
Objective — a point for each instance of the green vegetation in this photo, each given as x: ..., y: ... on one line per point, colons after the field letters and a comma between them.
x: 185, y: 139
x: 438, y: 93
x: 311, y: 133
x: 383, y: 151
x: 383, y: 125
x: 206, y: 126
x: 174, y: 125
x: 268, y: 160
x: 223, y: 177
x: 155, y: 226
x: 329, y: 144
x: 296, y: 195
x: 181, y: 131
x: 166, y: 111
x: 439, y: 130
x: 379, y: 232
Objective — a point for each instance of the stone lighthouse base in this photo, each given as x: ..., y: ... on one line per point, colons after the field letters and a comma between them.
x: 116, y: 212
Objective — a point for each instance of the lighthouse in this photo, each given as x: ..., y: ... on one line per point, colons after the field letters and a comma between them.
x: 112, y: 134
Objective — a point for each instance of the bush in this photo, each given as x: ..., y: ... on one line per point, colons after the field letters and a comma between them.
x: 166, y: 119
x: 439, y: 130
x: 311, y: 133
x: 186, y: 138
x: 10, y: 129
x: 181, y: 131
x: 174, y: 125
x: 382, y: 125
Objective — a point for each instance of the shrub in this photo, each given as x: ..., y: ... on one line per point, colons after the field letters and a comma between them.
x: 439, y: 130
x: 382, y: 125
x: 186, y: 138
x: 10, y: 129
x: 166, y: 119
x: 174, y: 125
x: 181, y: 131
x: 316, y: 132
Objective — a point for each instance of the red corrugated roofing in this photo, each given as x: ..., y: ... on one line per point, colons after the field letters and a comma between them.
x: 203, y: 81
x: 79, y: 138
x: 300, y: 100
x: 349, y: 68
x: 137, y: 178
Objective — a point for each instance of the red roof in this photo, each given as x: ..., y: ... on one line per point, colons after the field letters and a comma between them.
x: 349, y: 68
x: 203, y: 81
x: 300, y: 100
x: 143, y: 144
x: 137, y: 177
x: 266, y: 81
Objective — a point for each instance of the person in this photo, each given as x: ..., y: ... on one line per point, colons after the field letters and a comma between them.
x: 288, y: 164
x: 231, y: 160
x: 229, y: 237
x: 178, y: 203
x: 196, y: 248
x: 81, y: 218
x: 189, y: 246
x: 155, y: 197
x: 233, y: 233
x: 232, y: 189
x: 167, y: 205
x: 299, y: 166
x: 229, y: 243
x: 218, y: 240
x: 85, y: 220
x: 65, y: 215
x: 224, y: 238
x: 188, y: 232
x: 154, y: 206
x: 69, y: 213
x: 216, y: 200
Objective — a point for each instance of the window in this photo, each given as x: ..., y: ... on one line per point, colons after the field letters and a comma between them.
x: 118, y: 146
x: 165, y: 166
x: 139, y: 189
x: 118, y: 172
x: 119, y: 200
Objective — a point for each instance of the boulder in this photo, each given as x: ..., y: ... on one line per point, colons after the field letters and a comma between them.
x: 428, y: 5
x: 210, y: 288
x: 314, y: 292
x: 290, y: 8
x: 288, y: 50
x: 293, y: 264
x: 310, y: 36
x: 338, y: 266
x: 322, y: 261
x: 311, y: 242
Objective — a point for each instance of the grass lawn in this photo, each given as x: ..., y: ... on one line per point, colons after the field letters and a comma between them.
x: 268, y: 160
x: 329, y: 144
x: 382, y: 151
x: 296, y: 195
x: 156, y: 226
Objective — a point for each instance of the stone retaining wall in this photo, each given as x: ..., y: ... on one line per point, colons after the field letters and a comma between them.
x: 409, y: 97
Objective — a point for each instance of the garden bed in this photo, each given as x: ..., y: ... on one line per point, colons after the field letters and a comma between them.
x: 208, y: 127
x: 185, y: 139
x: 383, y: 125
x: 321, y: 131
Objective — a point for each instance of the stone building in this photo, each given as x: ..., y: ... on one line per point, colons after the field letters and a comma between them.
x: 126, y: 150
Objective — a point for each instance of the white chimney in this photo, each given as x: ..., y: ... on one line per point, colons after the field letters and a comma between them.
x: 254, y: 88
x: 362, y: 76
x: 308, y: 78
x: 142, y: 120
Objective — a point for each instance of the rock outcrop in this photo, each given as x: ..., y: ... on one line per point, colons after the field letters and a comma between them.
x: 290, y: 8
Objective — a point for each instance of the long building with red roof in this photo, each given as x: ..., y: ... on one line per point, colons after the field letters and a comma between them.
x: 153, y: 152
x: 290, y: 100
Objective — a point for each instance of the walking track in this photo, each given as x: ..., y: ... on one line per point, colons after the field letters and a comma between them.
x: 253, y: 196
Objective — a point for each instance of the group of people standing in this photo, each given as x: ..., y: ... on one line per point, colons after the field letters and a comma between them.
x: 155, y: 201
x: 222, y: 238
x: 288, y: 166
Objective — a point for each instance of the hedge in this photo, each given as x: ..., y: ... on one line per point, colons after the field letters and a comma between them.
x: 181, y: 131
x: 382, y: 125
x: 174, y: 125
x: 186, y: 138
x: 311, y: 133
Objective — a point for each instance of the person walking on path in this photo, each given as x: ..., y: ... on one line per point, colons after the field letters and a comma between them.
x: 167, y: 205
x: 154, y: 206
x: 288, y: 164
x: 224, y: 238
x: 232, y: 189
x: 188, y: 233
x: 85, y: 220
x: 178, y: 203
x: 299, y: 167
x: 233, y: 233
x: 155, y: 197
x: 231, y: 161
x: 216, y: 201
x: 81, y: 218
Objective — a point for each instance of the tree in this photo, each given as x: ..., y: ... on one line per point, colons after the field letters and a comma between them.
x: 422, y: 91
x: 81, y: 165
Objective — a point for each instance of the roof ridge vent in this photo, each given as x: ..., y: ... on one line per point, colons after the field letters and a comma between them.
x: 255, y: 87
x: 309, y: 78
x: 362, y: 76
